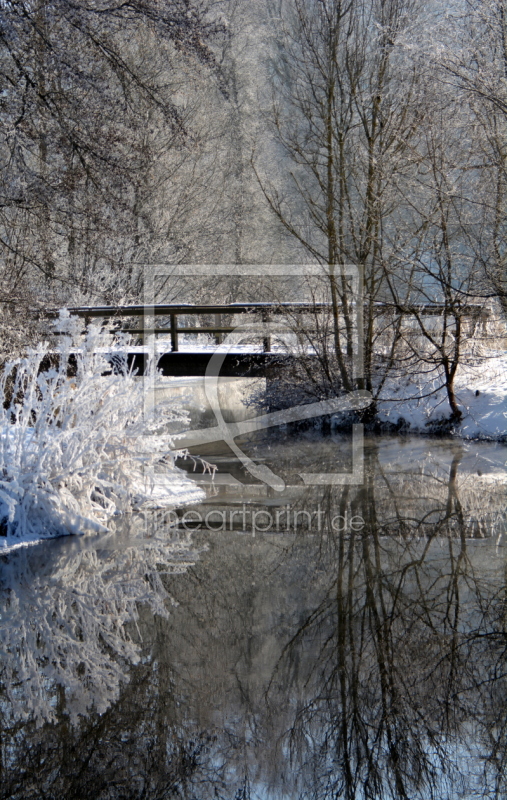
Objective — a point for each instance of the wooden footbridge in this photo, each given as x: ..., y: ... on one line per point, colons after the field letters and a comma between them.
x: 236, y: 362
x: 263, y: 362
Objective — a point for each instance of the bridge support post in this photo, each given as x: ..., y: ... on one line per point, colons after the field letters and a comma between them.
x: 174, y: 333
x: 266, y: 342
x: 218, y: 324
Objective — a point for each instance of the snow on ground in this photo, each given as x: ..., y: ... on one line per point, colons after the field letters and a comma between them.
x: 163, y: 345
x: 418, y: 400
x: 481, y: 392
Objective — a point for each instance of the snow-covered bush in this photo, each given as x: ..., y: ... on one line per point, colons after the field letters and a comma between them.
x: 76, y: 450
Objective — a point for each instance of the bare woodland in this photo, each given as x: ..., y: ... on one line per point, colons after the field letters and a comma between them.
x: 360, y: 133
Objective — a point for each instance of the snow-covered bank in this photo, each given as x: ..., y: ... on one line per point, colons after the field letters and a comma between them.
x: 420, y: 404
x: 75, y: 452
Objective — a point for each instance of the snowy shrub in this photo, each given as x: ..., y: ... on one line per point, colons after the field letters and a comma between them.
x: 76, y: 450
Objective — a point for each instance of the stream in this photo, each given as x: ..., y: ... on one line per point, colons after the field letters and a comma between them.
x: 344, y: 637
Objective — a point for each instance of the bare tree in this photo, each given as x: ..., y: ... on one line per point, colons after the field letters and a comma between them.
x: 345, y: 113
x: 472, y: 54
x: 86, y: 90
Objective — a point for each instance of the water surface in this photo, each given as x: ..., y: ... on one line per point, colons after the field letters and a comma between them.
x: 322, y: 642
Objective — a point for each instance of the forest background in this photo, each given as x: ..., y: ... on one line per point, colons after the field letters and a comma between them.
x: 368, y: 133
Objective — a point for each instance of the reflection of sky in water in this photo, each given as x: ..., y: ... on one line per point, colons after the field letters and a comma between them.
x: 269, y: 667
x: 486, y: 458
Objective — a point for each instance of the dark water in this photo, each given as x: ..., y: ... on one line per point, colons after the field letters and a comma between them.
x: 329, y: 641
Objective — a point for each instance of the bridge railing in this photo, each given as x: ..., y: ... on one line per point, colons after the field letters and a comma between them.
x: 174, y: 312
x: 266, y: 310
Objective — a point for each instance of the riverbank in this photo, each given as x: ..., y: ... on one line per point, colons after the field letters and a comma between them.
x: 415, y: 403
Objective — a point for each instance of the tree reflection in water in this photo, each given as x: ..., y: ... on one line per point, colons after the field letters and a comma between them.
x: 67, y: 610
x: 354, y: 664
x: 401, y: 696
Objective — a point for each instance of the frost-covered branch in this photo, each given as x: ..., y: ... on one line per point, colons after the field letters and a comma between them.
x: 76, y: 450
